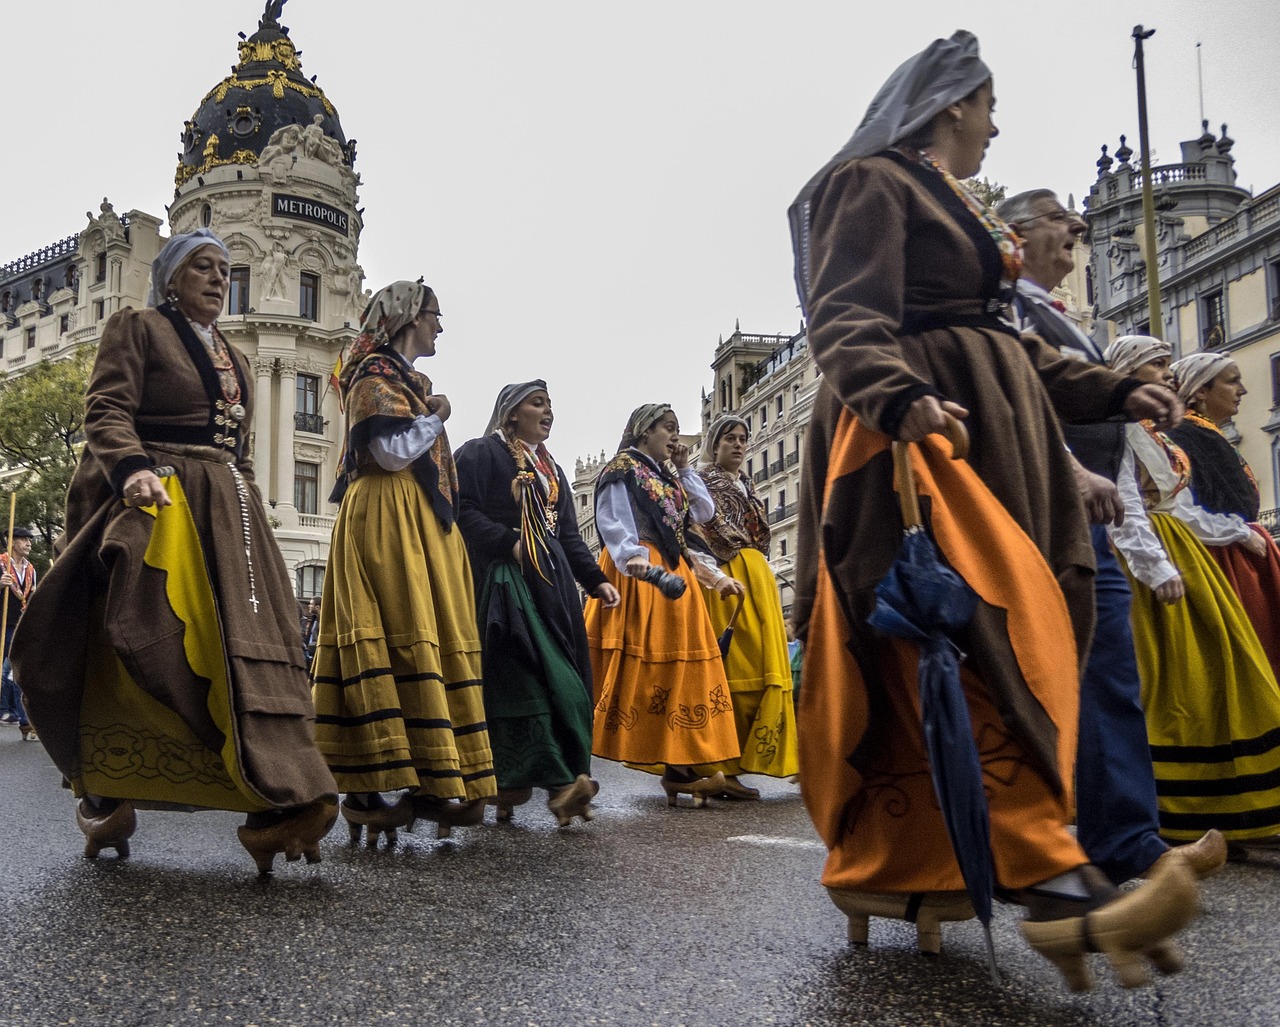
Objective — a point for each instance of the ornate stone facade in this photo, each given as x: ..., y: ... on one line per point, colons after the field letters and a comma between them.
x: 285, y: 202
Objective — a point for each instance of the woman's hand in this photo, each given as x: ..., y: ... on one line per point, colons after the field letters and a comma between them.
x: 924, y: 417
x: 1172, y: 590
x: 680, y: 456
x: 607, y: 594
x: 1154, y: 402
x: 728, y: 586
x: 637, y: 567
x: 1255, y: 545
x: 439, y: 405
x: 143, y: 488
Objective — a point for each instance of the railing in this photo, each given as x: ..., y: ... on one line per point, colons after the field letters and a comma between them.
x: 320, y: 521
x: 1166, y: 173
x: 31, y: 261
x: 781, y: 513
x: 313, y: 423
x: 760, y: 475
x: 793, y: 458
x: 775, y: 467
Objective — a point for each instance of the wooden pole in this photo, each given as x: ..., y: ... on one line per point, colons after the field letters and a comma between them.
x: 4, y: 615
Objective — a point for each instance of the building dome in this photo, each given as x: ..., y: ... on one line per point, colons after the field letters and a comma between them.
x: 265, y: 91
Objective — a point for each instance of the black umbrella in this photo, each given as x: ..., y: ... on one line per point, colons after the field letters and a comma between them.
x: 726, y: 636
x: 924, y: 601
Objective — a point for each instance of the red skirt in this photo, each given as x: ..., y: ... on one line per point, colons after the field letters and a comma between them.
x: 1256, y: 580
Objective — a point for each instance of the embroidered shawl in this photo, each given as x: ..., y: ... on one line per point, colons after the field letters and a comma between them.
x: 740, y: 521
x: 1221, y: 480
x: 384, y: 394
x: 658, y: 501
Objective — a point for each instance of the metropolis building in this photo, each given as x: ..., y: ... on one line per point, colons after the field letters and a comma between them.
x: 266, y: 165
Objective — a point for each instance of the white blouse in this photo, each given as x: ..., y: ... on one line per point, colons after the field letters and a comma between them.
x: 1135, y: 539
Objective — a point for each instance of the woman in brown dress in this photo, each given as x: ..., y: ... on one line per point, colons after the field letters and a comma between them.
x: 903, y: 273
x: 176, y: 679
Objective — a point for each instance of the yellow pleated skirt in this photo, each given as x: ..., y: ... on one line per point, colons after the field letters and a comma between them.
x: 661, y: 693
x: 397, y: 678
x: 1211, y: 700
x: 758, y: 668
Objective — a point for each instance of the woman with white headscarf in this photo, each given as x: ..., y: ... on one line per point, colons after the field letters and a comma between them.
x: 1208, y: 691
x: 399, y: 707
x: 1223, y: 483
x: 517, y: 518
x: 662, y: 700
x: 757, y: 663
x: 160, y: 656
x: 903, y: 274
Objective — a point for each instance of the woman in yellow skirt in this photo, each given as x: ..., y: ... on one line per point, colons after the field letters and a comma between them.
x: 397, y: 675
x: 1211, y: 699
x: 662, y: 699
x: 758, y: 663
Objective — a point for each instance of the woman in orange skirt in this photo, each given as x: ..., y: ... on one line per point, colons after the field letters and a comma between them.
x: 902, y: 273
x: 662, y: 698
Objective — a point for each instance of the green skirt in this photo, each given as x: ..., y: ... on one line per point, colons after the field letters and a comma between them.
x: 536, y: 703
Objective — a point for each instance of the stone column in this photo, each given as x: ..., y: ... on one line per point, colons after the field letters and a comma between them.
x: 263, y: 367
x: 284, y: 441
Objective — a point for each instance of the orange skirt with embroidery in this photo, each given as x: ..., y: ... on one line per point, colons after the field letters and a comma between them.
x: 882, y: 825
x: 661, y: 692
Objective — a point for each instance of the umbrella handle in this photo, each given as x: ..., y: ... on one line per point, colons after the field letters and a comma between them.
x: 908, y: 498
x: 733, y: 617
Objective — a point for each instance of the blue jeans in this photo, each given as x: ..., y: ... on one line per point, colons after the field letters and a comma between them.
x: 1116, y: 819
x: 10, y: 697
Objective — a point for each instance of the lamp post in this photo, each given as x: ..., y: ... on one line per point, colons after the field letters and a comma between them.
x: 1154, y: 319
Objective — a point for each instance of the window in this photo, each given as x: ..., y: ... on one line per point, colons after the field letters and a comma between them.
x: 782, y: 454
x: 31, y: 338
x: 309, y: 296
x: 748, y: 420
x: 751, y: 469
x: 306, y: 487
x: 206, y: 215
x: 1142, y: 328
x: 764, y: 418
x: 1088, y: 285
x: 306, y: 410
x: 64, y: 324
x: 100, y: 268
x: 782, y: 546
x: 310, y: 580
x: 6, y: 300
x: 782, y: 500
x: 99, y: 310
x: 238, y: 294
x: 1213, y: 320
x: 779, y: 410
x: 1275, y: 381
x: 1275, y: 290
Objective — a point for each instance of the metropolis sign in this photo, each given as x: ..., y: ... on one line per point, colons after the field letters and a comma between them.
x: 301, y: 209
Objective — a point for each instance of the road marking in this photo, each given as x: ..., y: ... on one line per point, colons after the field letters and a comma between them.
x: 790, y: 843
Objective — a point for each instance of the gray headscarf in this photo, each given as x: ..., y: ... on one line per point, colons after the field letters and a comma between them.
x: 1198, y: 370
x: 945, y: 72
x: 171, y: 256
x: 719, y: 426
x: 641, y: 420
x: 509, y: 398
x: 1129, y: 352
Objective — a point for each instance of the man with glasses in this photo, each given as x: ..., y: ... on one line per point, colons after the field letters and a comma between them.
x: 1116, y: 818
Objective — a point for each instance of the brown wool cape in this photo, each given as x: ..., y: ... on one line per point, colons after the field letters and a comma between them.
x: 105, y: 621
x: 904, y: 279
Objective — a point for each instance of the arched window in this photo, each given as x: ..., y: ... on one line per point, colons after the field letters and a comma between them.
x: 310, y: 580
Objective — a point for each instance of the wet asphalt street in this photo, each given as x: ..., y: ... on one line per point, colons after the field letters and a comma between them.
x: 648, y: 916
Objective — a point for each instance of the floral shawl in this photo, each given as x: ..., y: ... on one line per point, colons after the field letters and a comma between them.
x: 383, y: 393
x: 658, y: 501
x: 740, y: 521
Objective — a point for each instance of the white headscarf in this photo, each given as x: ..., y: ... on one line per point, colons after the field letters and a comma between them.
x: 945, y: 72
x: 1198, y: 370
x: 1129, y: 352
x: 711, y: 442
x: 172, y: 254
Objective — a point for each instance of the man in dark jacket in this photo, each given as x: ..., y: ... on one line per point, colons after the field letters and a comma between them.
x: 1116, y: 818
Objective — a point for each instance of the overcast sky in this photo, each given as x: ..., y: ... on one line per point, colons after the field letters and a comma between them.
x: 597, y: 190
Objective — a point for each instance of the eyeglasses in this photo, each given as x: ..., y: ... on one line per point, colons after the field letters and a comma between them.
x: 1058, y: 217
x: 433, y: 313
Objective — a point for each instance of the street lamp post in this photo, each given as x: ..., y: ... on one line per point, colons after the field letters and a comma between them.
x: 1154, y: 319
